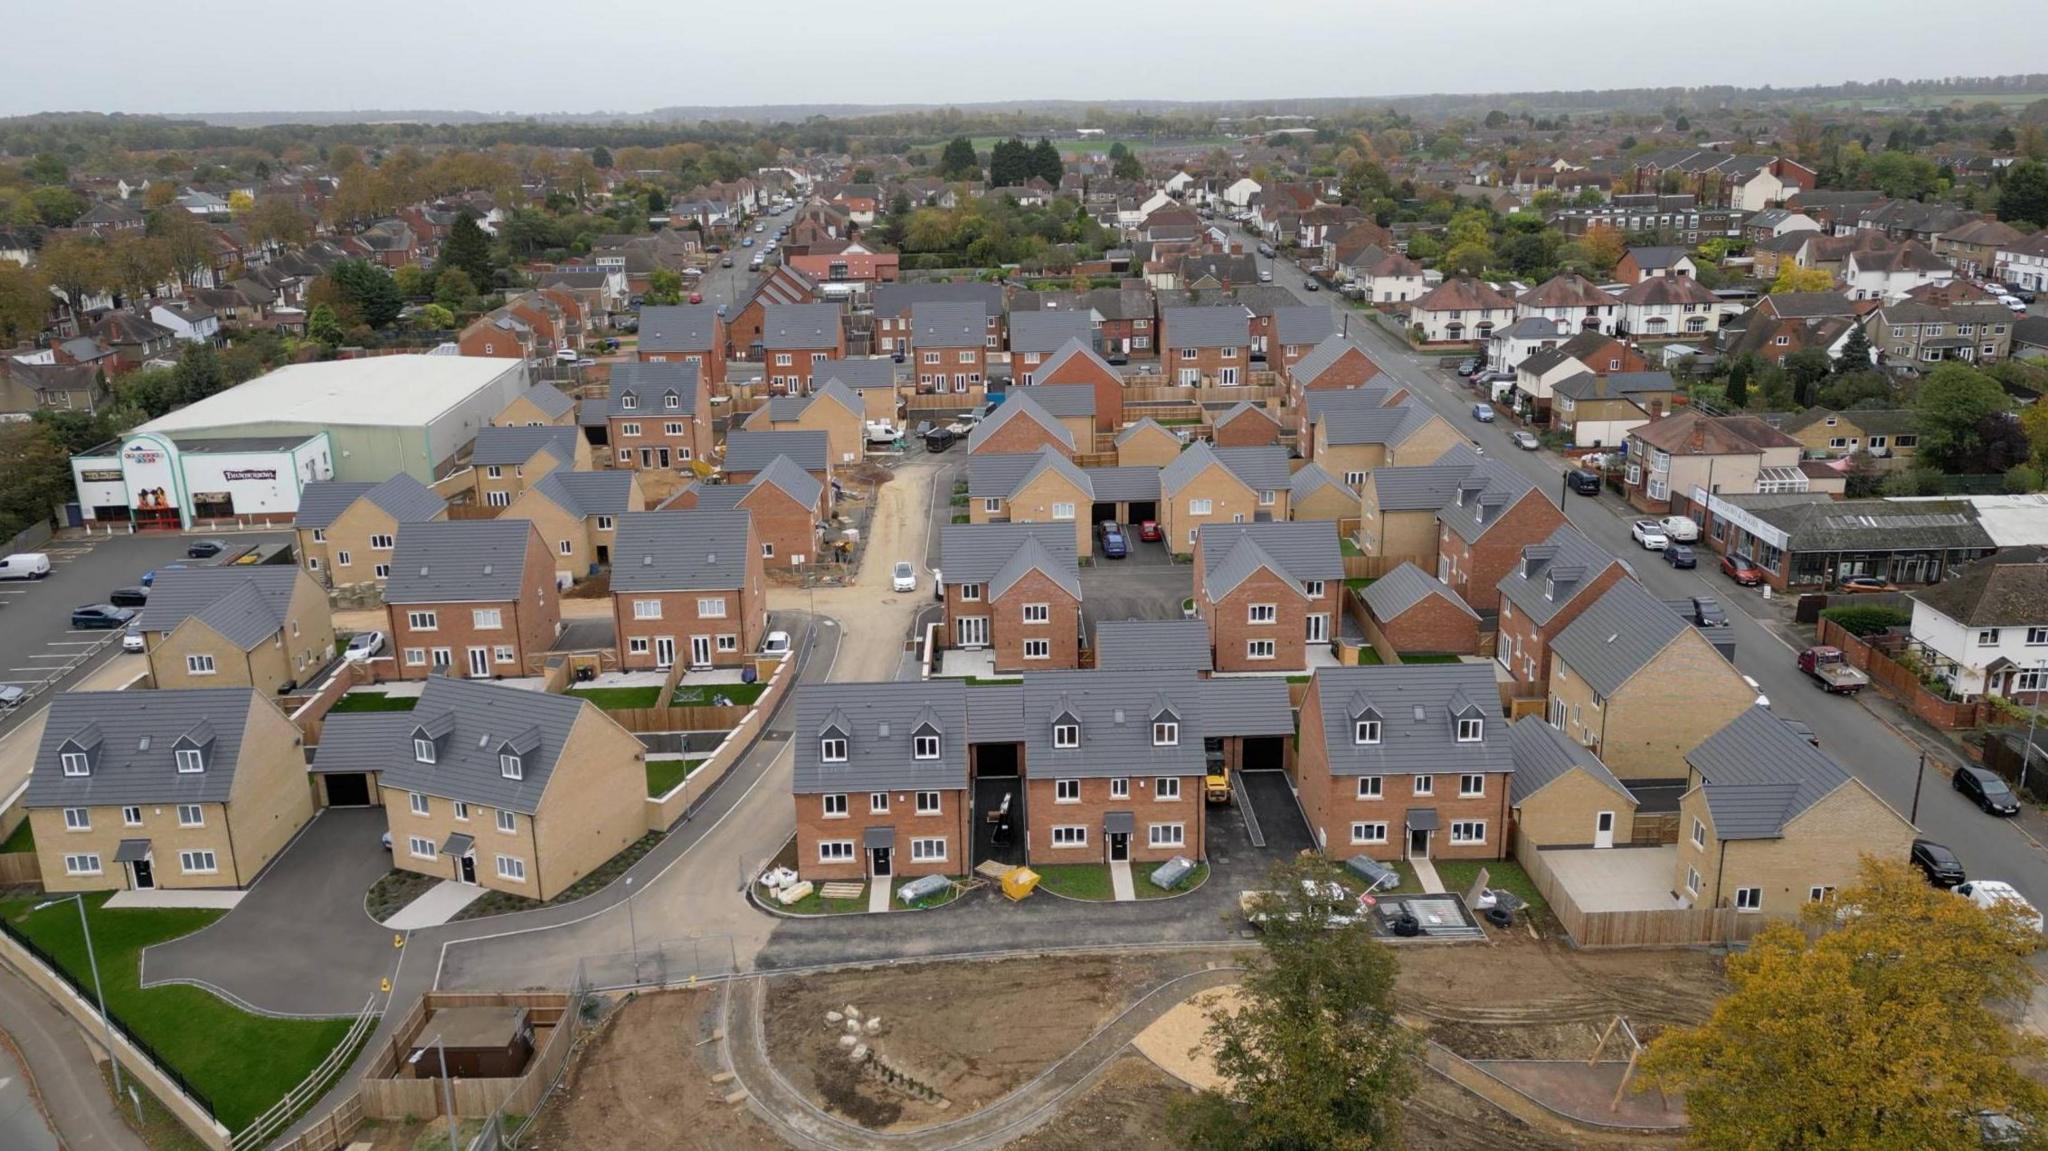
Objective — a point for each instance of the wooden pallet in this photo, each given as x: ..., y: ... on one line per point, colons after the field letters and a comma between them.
x: 842, y: 890
x: 993, y: 869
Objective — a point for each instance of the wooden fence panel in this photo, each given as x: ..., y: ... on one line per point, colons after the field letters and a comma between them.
x: 20, y: 869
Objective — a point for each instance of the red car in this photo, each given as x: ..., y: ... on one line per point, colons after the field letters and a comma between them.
x: 1741, y: 569
x: 696, y: 297
x: 1148, y: 530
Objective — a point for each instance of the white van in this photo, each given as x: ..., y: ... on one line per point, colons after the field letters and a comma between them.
x: 1989, y: 893
x: 25, y: 565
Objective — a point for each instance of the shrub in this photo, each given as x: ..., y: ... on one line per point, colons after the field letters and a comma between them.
x: 1867, y: 619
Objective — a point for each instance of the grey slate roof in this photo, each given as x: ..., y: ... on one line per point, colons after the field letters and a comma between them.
x: 892, y: 300
x: 860, y: 372
x: 1020, y: 405
x: 999, y: 475
x: 1241, y: 409
x: 1062, y: 399
x: 1263, y: 469
x: 782, y: 408
x: 695, y: 550
x: 1549, y: 575
x: 1148, y: 644
x: 246, y: 605
x: 1303, y: 324
x: 1297, y: 551
x: 1823, y: 524
x: 878, y: 721
x: 1358, y: 416
x: 1423, y: 487
x: 785, y: 473
x: 131, y: 738
x: 458, y: 561
x: 1309, y: 479
x: 1047, y: 332
x: 1033, y: 555
x: 322, y: 501
x: 550, y: 400
x: 1115, y: 711
x: 1122, y: 485
x: 1617, y: 635
x: 509, y: 447
x: 978, y: 553
x: 1320, y: 358
x: 747, y: 451
x: 471, y: 723
x: 1068, y: 351
x: 1542, y: 753
x: 648, y: 386
x: 1484, y: 497
x: 1418, y: 707
x: 1758, y: 774
x: 678, y: 328
x: 1406, y: 586
x: 1221, y: 326
x: 798, y: 326
x: 586, y: 494
x: 944, y: 324
x: 1137, y: 426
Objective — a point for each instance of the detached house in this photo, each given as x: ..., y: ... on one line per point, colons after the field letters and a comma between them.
x: 1562, y: 795
x: 1014, y: 589
x: 881, y: 781
x: 1382, y: 276
x: 1407, y: 762
x: 541, y: 404
x: 787, y: 503
x: 141, y: 790
x: 1987, y: 626
x: 577, y: 516
x: 1588, y: 351
x: 1493, y: 513
x: 1600, y: 411
x: 950, y: 344
x: 684, y: 334
x: 345, y: 530
x: 471, y: 598
x: 796, y: 341
x: 265, y: 626
x: 1890, y: 273
x: 1024, y: 424
x: 1668, y: 307
x: 1269, y: 592
x: 1296, y: 330
x: 1355, y: 431
x: 658, y: 415
x: 1638, y: 685
x: 1206, y: 346
x: 833, y: 408
x: 1398, y: 506
x: 1671, y: 458
x: 748, y: 454
x: 1334, y: 364
x: 1541, y: 595
x: 1148, y: 443
x: 507, y: 461
x: 1205, y: 485
x: 688, y: 585
x: 1035, y: 337
x: 518, y: 791
x: 1074, y: 364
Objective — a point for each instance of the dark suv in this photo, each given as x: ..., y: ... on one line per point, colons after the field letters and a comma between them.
x: 1940, y: 865
x: 1583, y: 482
x: 1984, y: 788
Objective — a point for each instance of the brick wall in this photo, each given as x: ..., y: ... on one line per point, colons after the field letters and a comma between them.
x: 1432, y: 625
x: 1044, y: 812
x: 1231, y: 629
x: 1061, y: 632
x: 1476, y: 569
x: 1022, y: 434
x: 813, y: 826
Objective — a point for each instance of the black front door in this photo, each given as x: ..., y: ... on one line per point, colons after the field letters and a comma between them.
x: 604, y: 555
x: 1119, y: 846
x: 145, y: 875
x: 880, y: 856
x: 469, y: 869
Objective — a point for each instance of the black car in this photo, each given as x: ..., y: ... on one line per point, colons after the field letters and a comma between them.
x: 1984, y: 788
x: 1940, y: 864
x: 1583, y: 482
x: 101, y: 615
x: 205, y: 549
x: 940, y: 439
x: 1707, y: 612
x: 1467, y: 367
x: 1681, y: 556
x: 129, y: 597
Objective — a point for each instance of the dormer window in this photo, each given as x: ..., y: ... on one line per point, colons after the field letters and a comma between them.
x: 76, y: 763
x: 1165, y: 733
x: 832, y: 749
x: 1471, y: 730
x: 1366, y: 731
x: 190, y: 761
x: 924, y: 747
x: 628, y: 402
x: 1065, y: 735
x: 511, y: 766
x: 671, y: 400
x: 422, y: 750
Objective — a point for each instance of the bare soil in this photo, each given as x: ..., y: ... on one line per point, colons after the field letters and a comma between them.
x: 644, y: 1082
x: 1126, y: 1109
x: 1442, y: 1116
x: 1517, y: 980
x: 1531, y: 1041
x: 972, y: 1032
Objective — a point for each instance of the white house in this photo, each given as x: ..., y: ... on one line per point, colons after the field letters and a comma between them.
x: 1570, y: 301
x: 1461, y: 309
x: 1384, y: 277
x: 1179, y: 183
x: 1889, y: 274
x: 1520, y: 340
x: 1986, y: 629
x: 1666, y: 307
x: 1239, y: 194
x: 188, y: 322
x: 2025, y: 263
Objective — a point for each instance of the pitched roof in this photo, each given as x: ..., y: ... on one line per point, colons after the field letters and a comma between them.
x: 1423, y: 487
x: 586, y: 494
x: 1362, y: 416
x: 1651, y: 257
x: 1567, y: 290
x: 749, y: 451
x: 893, y: 300
x: 643, y: 389
x: 1303, y: 324
x: 859, y: 372
x: 1217, y: 326
x: 1617, y: 636
x: 130, y: 739
x: 458, y: 561
x: 1070, y: 350
x: 2009, y: 589
x: 1311, y: 478
x: 1549, y: 576
x: 678, y: 328
x: 1298, y: 552
x: 1816, y: 523
x: 978, y: 553
x: 1145, y: 424
x: 1242, y: 409
x: 1463, y: 293
x: 472, y: 722
x: 1542, y: 754
x: 937, y: 324
x: 1062, y: 399
x: 1406, y: 586
x: 1689, y: 433
x: 785, y: 408
x: 403, y: 497
x: 999, y: 475
x: 1614, y: 385
x: 1047, y: 331
x: 1809, y: 305
x: 790, y: 476
x: 695, y: 550
x: 800, y: 326
x: 1152, y: 644
x: 1115, y: 711
x: 1758, y: 775
x: 1122, y: 485
x: 1322, y: 358
x: 1417, y: 707
x: 1668, y: 290
x: 878, y: 721
x: 1484, y: 497
x: 246, y: 605
x: 1020, y: 405
x: 549, y: 399
x: 510, y: 446
x: 1032, y: 555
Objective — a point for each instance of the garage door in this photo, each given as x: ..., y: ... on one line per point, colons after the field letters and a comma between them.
x: 1264, y: 753
x: 348, y: 789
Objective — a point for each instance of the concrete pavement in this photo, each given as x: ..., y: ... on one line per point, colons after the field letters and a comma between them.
x: 67, y: 1073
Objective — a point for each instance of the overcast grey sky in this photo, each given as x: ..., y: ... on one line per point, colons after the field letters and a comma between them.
x: 631, y: 55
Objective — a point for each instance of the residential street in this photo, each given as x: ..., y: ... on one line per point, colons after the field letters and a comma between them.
x: 67, y: 1074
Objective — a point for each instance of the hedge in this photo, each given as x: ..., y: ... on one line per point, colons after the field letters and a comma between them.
x: 1867, y: 619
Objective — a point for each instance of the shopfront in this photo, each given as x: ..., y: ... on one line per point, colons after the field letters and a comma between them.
x: 151, y: 481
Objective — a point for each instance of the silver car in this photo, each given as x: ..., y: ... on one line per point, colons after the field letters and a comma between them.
x: 1527, y: 441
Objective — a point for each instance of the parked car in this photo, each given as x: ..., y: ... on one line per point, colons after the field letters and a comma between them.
x: 1467, y: 366
x: 1680, y: 529
x: 1527, y: 441
x: 696, y: 297
x: 1583, y: 482
x: 1483, y: 413
x: 1265, y: 275
x: 24, y: 565
x: 129, y: 597
x: 1865, y: 585
x: 362, y: 646
x: 1706, y: 612
x: 1984, y: 787
x: 1740, y: 568
x: 101, y: 615
x: 1831, y: 671
x: 939, y: 439
x: 777, y: 643
x: 725, y: 262
x: 1990, y: 893
x: 1681, y: 556
x: 1650, y: 534
x: 12, y: 696
x: 205, y: 549
x: 131, y: 640
x: 1938, y: 863
x: 1113, y: 544
x: 903, y: 577
x: 1148, y: 530
x: 1311, y: 286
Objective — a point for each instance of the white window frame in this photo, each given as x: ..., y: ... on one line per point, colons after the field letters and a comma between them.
x: 834, y: 806
x: 1066, y: 791
x: 835, y: 851
x: 419, y: 803
x: 1471, y: 785
x: 1371, y: 787
x: 1066, y: 735
x: 928, y: 849
x: 1423, y: 785
x: 1120, y: 788
x: 646, y: 609
x: 76, y: 763
x: 1365, y: 832
x: 511, y: 766
x: 1259, y: 649
x: 199, y: 663
x: 420, y: 847
x: 490, y: 618
x: 1166, y: 834
x: 924, y: 747
x: 77, y: 819
x: 1166, y: 789
x: 711, y: 607
x: 1070, y: 836
x: 1476, y: 728
x: 1166, y: 733
x: 1365, y: 732
x: 422, y: 621
x: 832, y: 749
x: 1699, y: 833
x: 198, y: 861
x: 190, y: 761
x: 931, y: 803
x: 1037, y: 613
x: 1468, y: 831
x: 508, y: 821
x: 131, y: 816
x: 1037, y: 649
x: 1262, y: 613
x: 511, y: 868
x: 83, y: 863
x: 1749, y: 899
x: 191, y: 815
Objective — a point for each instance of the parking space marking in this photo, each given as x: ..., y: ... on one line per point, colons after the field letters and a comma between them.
x: 72, y: 643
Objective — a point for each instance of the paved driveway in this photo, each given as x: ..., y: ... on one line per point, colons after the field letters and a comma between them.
x: 300, y: 943
x: 1148, y: 585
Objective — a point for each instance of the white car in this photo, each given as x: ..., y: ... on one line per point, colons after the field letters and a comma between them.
x: 1989, y: 893
x: 904, y: 578
x: 362, y: 646
x: 131, y: 640
x: 1650, y: 534
x: 777, y: 643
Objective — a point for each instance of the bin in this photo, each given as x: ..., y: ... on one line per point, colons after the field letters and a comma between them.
x: 1019, y: 882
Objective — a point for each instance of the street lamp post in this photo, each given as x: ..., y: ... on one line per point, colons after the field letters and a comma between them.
x: 633, y: 929
x: 2033, y: 719
x: 98, y: 989
x: 447, y: 1091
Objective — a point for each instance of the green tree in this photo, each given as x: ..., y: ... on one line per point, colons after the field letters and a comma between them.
x: 1046, y: 163
x: 76, y: 266
x: 24, y: 302
x: 433, y: 318
x: 47, y: 168
x: 1953, y: 402
x: 1124, y: 163
x: 1738, y: 384
x: 276, y: 220
x: 1793, y: 278
x: 601, y: 158
x: 1863, y: 479
x: 1313, y: 1058
x: 468, y: 250
x: 1877, y: 1033
x: 35, y: 474
x: 664, y: 287
x: 187, y: 242
x: 323, y: 326
x: 958, y: 161
x: 453, y: 290
x: 57, y: 207
x: 1807, y: 367
x: 1856, y: 352
x: 413, y: 281
x: 198, y: 373
x: 2023, y: 195
x: 369, y: 289
x: 1363, y: 183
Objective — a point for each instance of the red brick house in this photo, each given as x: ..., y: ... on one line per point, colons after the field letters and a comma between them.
x: 745, y: 319
x: 881, y: 781
x: 1014, y: 589
x: 1412, y: 612
x: 1020, y: 425
x: 786, y: 502
x: 796, y: 341
x: 1075, y: 363
x: 949, y: 346
x: 687, y: 334
x: 658, y: 416
x: 687, y: 587
x: 1494, y: 513
x: 1245, y: 426
x: 1268, y: 592
x: 471, y: 598
x: 1540, y: 597
x: 1208, y: 346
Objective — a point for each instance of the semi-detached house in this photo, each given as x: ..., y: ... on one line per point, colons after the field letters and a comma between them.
x: 508, y: 460
x: 1541, y: 595
x: 577, y: 516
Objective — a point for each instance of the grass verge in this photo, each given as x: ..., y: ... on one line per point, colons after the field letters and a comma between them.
x: 664, y: 774
x: 160, y: 1130
x: 373, y: 701
x: 1429, y: 657
x: 502, y: 903
x: 816, y: 904
x: 619, y: 698
x: 1459, y: 874
x: 244, y: 1063
x: 391, y: 893
x: 1077, y: 880
x: 1141, y: 881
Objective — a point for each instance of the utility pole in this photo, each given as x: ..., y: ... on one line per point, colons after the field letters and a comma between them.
x: 2033, y: 719
x: 1918, y: 778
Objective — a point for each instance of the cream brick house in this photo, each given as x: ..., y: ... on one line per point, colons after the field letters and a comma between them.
x: 577, y: 516
x: 346, y: 530
x: 265, y: 626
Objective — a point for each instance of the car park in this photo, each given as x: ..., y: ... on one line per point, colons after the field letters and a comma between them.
x: 1740, y: 568
x: 205, y: 549
x: 1114, y: 546
x: 1483, y: 413
x: 100, y: 616
x: 1937, y: 863
x: 1583, y: 482
x: 1987, y: 789
x: 1527, y: 441
x: 1681, y: 556
x: 1650, y: 534
x: 129, y: 596
x: 25, y: 565
x: 149, y: 577
x: 362, y: 646
x: 903, y: 577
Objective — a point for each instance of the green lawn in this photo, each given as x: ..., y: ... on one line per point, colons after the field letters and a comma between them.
x: 1369, y: 657
x: 243, y: 1062
x: 1429, y: 657
x: 373, y: 701
x: 1077, y: 880
x: 22, y: 839
x: 664, y: 774
x: 816, y: 904
x: 1458, y: 876
x: 1141, y: 881
x: 1359, y: 583
x: 741, y: 694
x: 620, y: 698
x: 1350, y: 547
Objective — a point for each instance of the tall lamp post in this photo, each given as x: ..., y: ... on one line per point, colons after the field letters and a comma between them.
x: 447, y: 1091
x: 98, y: 989
x: 632, y: 929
